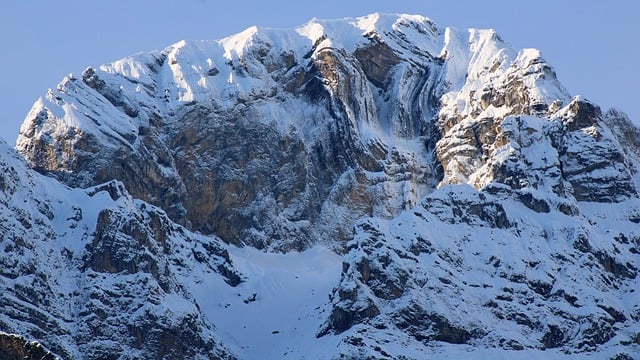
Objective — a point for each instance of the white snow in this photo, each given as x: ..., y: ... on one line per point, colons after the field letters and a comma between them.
x: 277, y: 310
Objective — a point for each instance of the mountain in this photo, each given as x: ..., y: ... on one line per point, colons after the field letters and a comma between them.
x: 374, y: 187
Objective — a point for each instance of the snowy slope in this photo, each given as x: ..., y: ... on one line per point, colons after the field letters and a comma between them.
x: 402, y: 189
x: 277, y: 311
x: 495, y: 273
x: 94, y: 273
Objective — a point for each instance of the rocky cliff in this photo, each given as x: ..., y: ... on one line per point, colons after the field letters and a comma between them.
x: 93, y: 273
x: 13, y: 347
x: 492, y: 209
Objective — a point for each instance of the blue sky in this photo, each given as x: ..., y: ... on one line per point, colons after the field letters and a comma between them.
x: 593, y: 45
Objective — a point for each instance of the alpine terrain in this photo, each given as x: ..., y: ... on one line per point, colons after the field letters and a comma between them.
x: 363, y: 188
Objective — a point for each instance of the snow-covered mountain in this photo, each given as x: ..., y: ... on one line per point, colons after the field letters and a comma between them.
x: 400, y: 189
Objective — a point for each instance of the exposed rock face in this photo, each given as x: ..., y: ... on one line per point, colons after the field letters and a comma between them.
x: 14, y: 347
x: 491, y: 208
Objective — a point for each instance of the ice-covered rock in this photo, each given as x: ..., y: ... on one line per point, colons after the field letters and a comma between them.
x: 469, y: 267
x: 95, y: 274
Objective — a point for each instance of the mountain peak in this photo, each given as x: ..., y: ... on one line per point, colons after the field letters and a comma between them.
x: 448, y: 187
x: 393, y: 80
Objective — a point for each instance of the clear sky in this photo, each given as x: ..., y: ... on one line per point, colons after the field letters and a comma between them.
x: 593, y: 45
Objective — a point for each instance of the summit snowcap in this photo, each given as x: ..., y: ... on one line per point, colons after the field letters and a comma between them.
x: 199, y: 71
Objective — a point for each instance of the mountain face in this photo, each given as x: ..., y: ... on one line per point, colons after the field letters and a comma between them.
x: 469, y: 202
